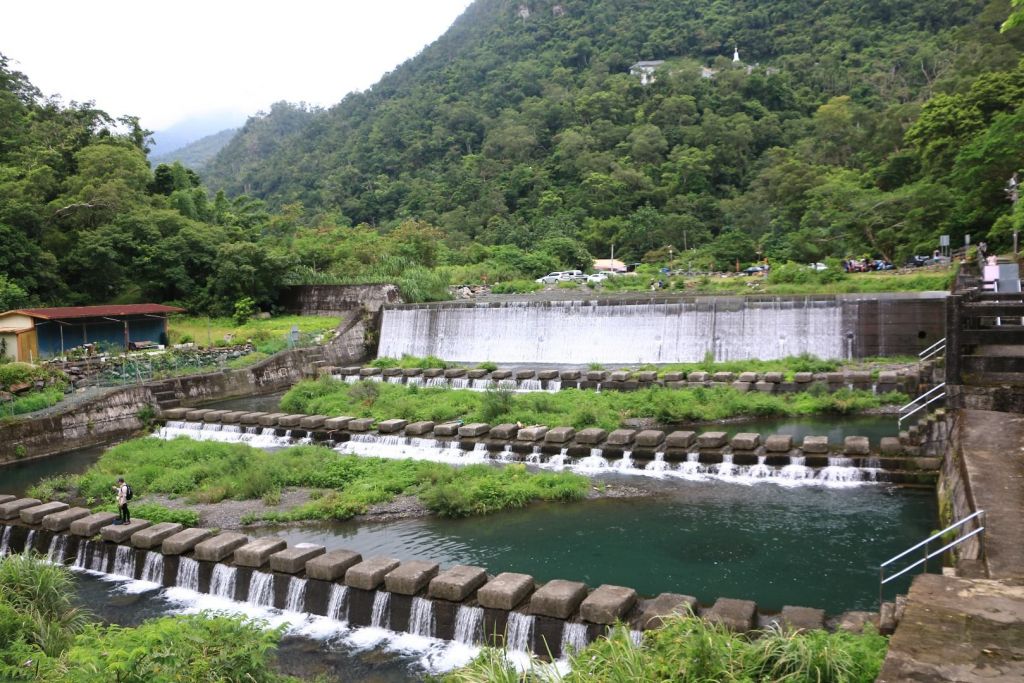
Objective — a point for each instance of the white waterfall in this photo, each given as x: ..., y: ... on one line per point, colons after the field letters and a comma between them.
x: 519, y: 632
x: 188, y: 574
x: 574, y: 637
x: 153, y: 567
x: 261, y: 589
x: 421, y: 617
x: 658, y: 332
x: 222, y: 581
x: 295, y: 601
x: 337, y: 603
x: 5, y: 541
x: 58, y: 544
x: 381, y: 615
x: 469, y: 625
x: 258, y: 437
x: 30, y: 542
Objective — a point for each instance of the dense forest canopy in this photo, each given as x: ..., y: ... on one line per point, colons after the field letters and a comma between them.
x: 520, y: 142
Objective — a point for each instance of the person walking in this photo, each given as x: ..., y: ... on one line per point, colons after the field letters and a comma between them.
x: 122, y: 500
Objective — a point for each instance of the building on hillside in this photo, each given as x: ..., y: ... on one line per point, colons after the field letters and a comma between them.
x: 645, y: 70
x: 29, y: 334
x: 610, y: 265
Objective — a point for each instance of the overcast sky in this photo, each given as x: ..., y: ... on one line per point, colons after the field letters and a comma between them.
x: 166, y: 61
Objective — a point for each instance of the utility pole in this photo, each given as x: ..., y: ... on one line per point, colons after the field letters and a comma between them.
x: 1013, y: 194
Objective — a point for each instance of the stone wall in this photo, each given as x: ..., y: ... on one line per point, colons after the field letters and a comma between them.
x: 337, y: 299
x: 942, y: 434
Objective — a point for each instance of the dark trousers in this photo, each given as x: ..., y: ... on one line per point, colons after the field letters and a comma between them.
x: 125, y: 515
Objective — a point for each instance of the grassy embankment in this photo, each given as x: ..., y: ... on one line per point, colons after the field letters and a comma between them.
x: 690, y: 650
x: 571, y: 407
x: 345, y: 485
x: 15, y: 374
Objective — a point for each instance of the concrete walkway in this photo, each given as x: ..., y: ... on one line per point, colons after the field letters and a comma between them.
x: 993, y: 453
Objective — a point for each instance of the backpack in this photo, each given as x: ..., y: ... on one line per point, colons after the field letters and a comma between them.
x: 128, y: 493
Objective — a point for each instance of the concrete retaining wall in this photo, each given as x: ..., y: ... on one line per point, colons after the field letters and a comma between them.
x: 337, y: 299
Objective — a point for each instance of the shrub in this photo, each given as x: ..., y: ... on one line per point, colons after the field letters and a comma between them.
x: 516, y: 287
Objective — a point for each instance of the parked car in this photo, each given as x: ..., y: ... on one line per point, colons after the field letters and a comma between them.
x: 918, y: 261
x: 597, y: 278
x: 551, y: 278
x: 818, y: 267
x: 756, y: 270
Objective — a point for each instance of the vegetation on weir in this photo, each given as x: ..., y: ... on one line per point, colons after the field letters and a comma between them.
x: 345, y: 485
x: 16, y: 376
x: 46, y: 638
x: 269, y: 336
x: 690, y: 650
x: 577, y: 408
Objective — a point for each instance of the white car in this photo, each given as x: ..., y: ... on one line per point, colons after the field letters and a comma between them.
x: 597, y: 278
x: 551, y: 278
x: 818, y: 267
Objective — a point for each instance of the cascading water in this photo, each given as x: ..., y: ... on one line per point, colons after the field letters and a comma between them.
x: 563, y: 460
x: 659, y: 332
x: 519, y: 632
x: 725, y: 468
x: 469, y: 624
x: 295, y: 601
x: 625, y: 463
x: 421, y: 617
x: 760, y: 470
x: 124, y: 561
x: 58, y: 545
x: 30, y: 542
x: 261, y: 589
x: 153, y: 567
x: 796, y: 469
x: 337, y: 603
x: 5, y: 541
x: 574, y: 637
x: 258, y: 437
x: 380, y: 617
x: 658, y: 464
x: 188, y: 574
x: 222, y: 581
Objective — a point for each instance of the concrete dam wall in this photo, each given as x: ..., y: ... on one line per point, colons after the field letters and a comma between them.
x: 662, y: 329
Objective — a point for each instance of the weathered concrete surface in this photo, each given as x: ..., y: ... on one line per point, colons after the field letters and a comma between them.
x: 993, y: 453
x: 958, y: 630
x: 558, y: 599
x: 737, y: 615
x: 333, y: 565
x: 257, y: 553
x: 815, y: 444
x: 91, y: 525
x: 155, y: 535
x: 119, y: 533
x: 60, y: 521
x: 654, y: 611
x: 505, y: 591
x: 391, y: 426
x: 369, y: 574
x: 13, y: 508
x: 6, y: 498
x: 607, y: 604
x: 802, y: 618
x: 35, y: 514
x: 411, y: 577
x: 184, y: 541
x: 220, y: 546
x: 779, y: 443
x: 293, y: 560
x: 457, y: 583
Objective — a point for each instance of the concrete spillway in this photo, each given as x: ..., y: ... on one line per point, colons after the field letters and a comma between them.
x: 664, y: 330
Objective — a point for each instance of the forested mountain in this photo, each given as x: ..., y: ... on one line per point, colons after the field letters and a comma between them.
x: 196, y: 155
x: 848, y: 127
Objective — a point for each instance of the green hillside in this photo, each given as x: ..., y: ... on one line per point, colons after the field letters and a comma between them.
x: 196, y: 155
x: 522, y: 123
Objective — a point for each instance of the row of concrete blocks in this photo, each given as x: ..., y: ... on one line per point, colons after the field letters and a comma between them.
x: 593, y: 437
x: 555, y: 600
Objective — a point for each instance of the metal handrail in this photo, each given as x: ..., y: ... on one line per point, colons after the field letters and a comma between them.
x: 936, y: 348
x: 904, y: 415
x: 883, y: 579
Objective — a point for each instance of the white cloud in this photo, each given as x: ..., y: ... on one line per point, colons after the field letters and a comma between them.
x: 167, y: 61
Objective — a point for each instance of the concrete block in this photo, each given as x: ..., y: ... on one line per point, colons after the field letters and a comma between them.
x: 745, y: 441
x: 214, y: 415
x: 505, y: 591
x: 591, y: 436
x: 597, y: 375
x: 154, y: 536
x: 772, y: 377
x: 61, y: 521
x: 742, y: 387
x: 349, y: 370
x: 476, y: 373
x: 257, y: 553
x: 621, y: 437
x: 674, y: 376
x: 412, y: 372
x: 174, y: 413
x: 12, y: 508
x: 748, y: 377
x: 619, y: 376
x: 607, y: 604
x: 457, y: 583
x: 505, y: 432
x: 289, y: 421
x: 446, y: 429
x: 501, y: 374
x: 391, y: 426
x: 558, y: 599
x: 270, y: 419
x: 737, y: 615
x: 333, y: 424
x: 419, y: 428
x: 803, y: 377
x: 391, y: 372
x: 680, y: 439
x: 251, y: 418
x: 890, y: 445
x: 725, y: 377
x: 430, y: 373
x: 360, y: 424
x: 802, y: 618
x: 765, y: 387
x: 779, y: 443
x: 410, y: 577
x: 184, y: 541
x: 312, y: 421
x: 649, y: 438
x: 698, y: 376
x: 569, y: 375
x: 525, y: 374
x: 815, y: 444
x: 453, y: 373
x: 333, y: 565
x: 835, y: 378
x: 647, y: 376
x: 119, y: 533
x: 856, y: 445
x: 90, y: 526
x: 369, y: 574
x: 220, y: 547
x: 559, y: 435
x: 7, y: 498
x: 474, y: 429
x: 196, y: 414
x: 547, y: 374
x: 711, y: 439
x: 35, y: 514
x: 232, y: 417
x: 293, y: 560
x: 653, y: 612
x: 888, y: 377
x: 858, y: 377
x: 368, y: 372
x: 534, y: 433
x: 855, y: 621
